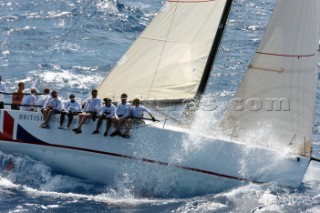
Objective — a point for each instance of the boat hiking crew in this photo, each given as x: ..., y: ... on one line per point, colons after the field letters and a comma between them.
x: 29, y: 101
x: 71, y: 108
x: 53, y: 106
x: 122, y: 114
x: 90, y: 110
x: 106, y: 112
x: 3, y: 88
x: 17, y: 97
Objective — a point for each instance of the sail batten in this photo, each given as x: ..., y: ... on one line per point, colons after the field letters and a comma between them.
x: 167, y: 61
x: 287, y: 55
x: 284, y: 70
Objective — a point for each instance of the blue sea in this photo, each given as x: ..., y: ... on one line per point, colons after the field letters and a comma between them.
x: 69, y: 46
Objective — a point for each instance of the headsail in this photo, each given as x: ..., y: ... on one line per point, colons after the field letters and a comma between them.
x: 275, y: 103
x: 168, y: 59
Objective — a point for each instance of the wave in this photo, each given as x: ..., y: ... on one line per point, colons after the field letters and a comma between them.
x: 38, y: 181
x: 76, y: 78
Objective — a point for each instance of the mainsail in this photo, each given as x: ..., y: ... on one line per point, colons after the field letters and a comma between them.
x: 168, y: 60
x: 274, y: 105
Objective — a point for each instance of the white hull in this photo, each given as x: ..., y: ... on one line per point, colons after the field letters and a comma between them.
x: 152, y: 156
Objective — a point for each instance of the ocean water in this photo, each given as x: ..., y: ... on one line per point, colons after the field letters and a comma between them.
x: 70, y: 45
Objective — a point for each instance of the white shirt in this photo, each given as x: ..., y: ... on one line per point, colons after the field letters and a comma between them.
x: 43, y: 100
x: 73, y: 107
x: 110, y: 110
x: 92, y: 105
x: 137, y: 111
x: 123, y: 110
x: 28, y: 100
x: 3, y: 88
x: 55, y: 103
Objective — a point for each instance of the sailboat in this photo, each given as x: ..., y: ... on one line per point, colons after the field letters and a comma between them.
x: 171, y: 62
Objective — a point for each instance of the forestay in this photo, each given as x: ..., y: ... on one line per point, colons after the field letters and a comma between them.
x: 167, y: 60
x: 275, y: 103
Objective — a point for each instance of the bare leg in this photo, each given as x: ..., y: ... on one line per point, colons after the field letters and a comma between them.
x: 62, y: 117
x: 101, y: 117
x: 128, y: 124
x: 118, y: 123
x: 70, y: 118
x: 99, y: 122
x: 49, y: 115
x: 44, y: 114
x: 109, y: 121
x: 82, y: 119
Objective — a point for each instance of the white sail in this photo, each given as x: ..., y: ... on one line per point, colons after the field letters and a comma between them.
x: 167, y: 60
x: 275, y: 103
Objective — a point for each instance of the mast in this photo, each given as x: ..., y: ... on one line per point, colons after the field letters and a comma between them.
x: 214, y: 49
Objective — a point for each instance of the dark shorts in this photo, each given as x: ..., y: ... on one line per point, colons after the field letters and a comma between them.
x: 56, y: 111
x: 93, y: 115
x: 74, y: 113
x: 69, y: 113
x: 15, y: 107
x: 105, y: 115
x: 1, y: 105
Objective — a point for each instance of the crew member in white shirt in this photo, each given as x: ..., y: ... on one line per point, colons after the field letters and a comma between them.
x: 137, y: 114
x: 54, y: 106
x: 90, y: 110
x: 106, y: 112
x: 29, y: 102
x: 3, y: 88
x: 123, y: 112
x: 138, y: 110
x: 44, y: 98
x: 71, y: 108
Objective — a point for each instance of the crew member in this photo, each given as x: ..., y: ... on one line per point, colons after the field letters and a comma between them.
x: 123, y: 112
x: 136, y: 116
x: 17, y: 97
x: 54, y: 106
x: 28, y: 102
x: 71, y: 108
x: 90, y: 110
x: 106, y: 112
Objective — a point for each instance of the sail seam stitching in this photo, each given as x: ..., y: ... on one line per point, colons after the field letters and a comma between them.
x: 164, y: 45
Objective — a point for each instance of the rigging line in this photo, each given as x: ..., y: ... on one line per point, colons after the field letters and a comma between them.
x: 170, y: 117
x: 63, y: 39
x: 235, y: 41
x: 164, y: 44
